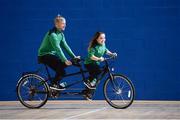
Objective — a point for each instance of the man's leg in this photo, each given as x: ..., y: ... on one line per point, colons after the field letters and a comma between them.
x: 54, y: 63
x: 60, y: 72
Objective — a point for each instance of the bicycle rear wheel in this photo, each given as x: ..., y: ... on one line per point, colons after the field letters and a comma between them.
x: 119, y: 92
x: 32, y: 91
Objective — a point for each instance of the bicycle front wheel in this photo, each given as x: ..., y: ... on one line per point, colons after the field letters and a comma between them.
x: 119, y: 92
x: 32, y: 91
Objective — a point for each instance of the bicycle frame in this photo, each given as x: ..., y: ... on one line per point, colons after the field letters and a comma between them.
x: 105, y: 70
x: 82, y: 72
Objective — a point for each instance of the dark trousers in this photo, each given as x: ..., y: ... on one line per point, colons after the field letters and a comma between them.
x: 54, y: 63
x: 94, y: 70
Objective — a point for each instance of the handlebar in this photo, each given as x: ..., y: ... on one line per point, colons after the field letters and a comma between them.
x: 109, y: 58
x: 76, y: 61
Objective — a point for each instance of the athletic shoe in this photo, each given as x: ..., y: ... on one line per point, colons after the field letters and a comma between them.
x: 89, y: 84
x: 56, y: 87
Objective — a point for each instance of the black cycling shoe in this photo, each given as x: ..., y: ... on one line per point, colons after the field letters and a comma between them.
x: 56, y: 87
x: 88, y: 84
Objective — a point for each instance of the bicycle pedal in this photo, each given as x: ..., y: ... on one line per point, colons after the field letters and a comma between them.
x: 87, y: 97
x: 54, y: 96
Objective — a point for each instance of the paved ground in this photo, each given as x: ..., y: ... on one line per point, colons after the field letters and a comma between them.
x: 91, y: 110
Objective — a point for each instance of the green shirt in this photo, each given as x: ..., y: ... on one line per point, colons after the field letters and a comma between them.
x: 53, y: 44
x: 98, y: 51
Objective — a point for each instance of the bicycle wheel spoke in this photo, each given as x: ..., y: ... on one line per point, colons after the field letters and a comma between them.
x: 114, y: 86
x: 125, y: 92
x: 30, y: 81
x: 25, y: 95
x: 122, y: 99
x: 125, y: 87
x: 30, y: 97
x: 119, y: 84
x: 25, y: 87
x: 38, y: 97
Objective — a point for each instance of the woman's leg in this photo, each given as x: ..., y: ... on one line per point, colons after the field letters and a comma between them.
x: 94, y: 71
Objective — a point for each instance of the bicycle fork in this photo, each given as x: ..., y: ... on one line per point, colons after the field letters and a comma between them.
x: 113, y: 82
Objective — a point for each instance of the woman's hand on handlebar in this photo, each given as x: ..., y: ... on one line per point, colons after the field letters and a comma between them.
x: 114, y: 54
x: 101, y: 59
x: 111, y: 54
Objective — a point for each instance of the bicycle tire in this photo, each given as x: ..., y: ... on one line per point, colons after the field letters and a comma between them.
x: 119, y: 101
x: 32, y: 90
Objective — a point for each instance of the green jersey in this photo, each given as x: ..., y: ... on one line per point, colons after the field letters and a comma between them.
x: 98, y: 51
x: 53, y: 44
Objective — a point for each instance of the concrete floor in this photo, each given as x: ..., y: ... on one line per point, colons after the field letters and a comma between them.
x: 91, y: 110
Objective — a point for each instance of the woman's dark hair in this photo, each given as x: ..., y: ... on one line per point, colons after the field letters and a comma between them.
x: 93, y: 41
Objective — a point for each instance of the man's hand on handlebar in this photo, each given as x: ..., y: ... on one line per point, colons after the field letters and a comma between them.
x: 76, y: 60
x: 67, y: 62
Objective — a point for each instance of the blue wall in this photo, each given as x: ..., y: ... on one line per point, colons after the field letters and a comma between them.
x: 145, y: 34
